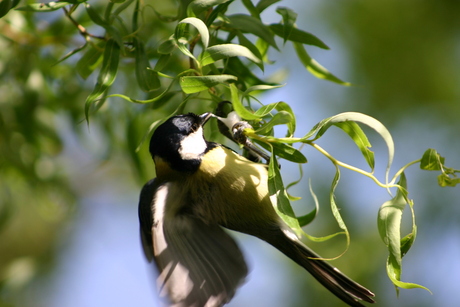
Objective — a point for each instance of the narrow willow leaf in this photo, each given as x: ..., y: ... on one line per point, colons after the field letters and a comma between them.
x: 263, y: 4
x: 223, y: 51
x: 279, y: 118
x: 266, y: 109
x: 68, y: 55
x: 369, y: 121
x: 146, y: 78
x: 298, y: 36
x: 389, y: 225
x: 279, y: 198
x: 107, y: 74
x: 238, y: 105
x: 360, y: 139
x: 314, y: 67
x: 284, y: 151
x: 198, y: 24
x: 236, y: 67
x: 167, y: 46
x: 221, y: 9
x: 251, y: 9
x: 289, y: 18
x: 261, y: 87
x: 252, y: 25
x: 335, y: 210
x: 151, y: 100
x: 309, y: 217
x: 282, y: 106
x: 97, y: 19
x: 90, y: 60
x: 43, y: 7
x: 194, y: 84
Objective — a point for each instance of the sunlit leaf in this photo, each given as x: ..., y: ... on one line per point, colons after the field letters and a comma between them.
x: 369, y: 121
x: 279, y: 118
x: 360, y: 139
x: 389, y: 226
x: 223, y: 51
x: 279, y: 198
x: 198, y: 24
x: 194, y: 84
x: 238, y: 105
x: 306, y: 219
x: 431, y: 160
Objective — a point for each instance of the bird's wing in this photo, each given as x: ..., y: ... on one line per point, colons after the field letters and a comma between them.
x: 199, y: 264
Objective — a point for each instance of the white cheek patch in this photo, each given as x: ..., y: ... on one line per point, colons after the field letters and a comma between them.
x: 193, y: 146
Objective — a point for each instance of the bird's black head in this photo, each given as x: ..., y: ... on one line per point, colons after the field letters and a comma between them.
x: 179, y: 141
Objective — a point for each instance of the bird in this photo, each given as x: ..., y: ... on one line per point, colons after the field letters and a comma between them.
x: 201, y: 188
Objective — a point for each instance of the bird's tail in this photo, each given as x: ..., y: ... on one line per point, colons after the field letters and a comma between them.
x: 329, y: 276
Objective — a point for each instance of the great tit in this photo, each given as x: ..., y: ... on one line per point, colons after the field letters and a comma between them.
x: 201, y: 186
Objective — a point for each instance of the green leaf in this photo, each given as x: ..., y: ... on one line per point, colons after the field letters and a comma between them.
x: 369, y: 121
x: 284, y: 151
x: 335, y: 210
x: 253, y: 48
x: 279, y: 197
x: 314, y: 67
x: 107, y: 74
x: 146, y: 78
x: 42, y: 7
x: 298, y: 36
x: 289, y: 18
x: 266, y: 109
x: 263, y: 4
x: 309, y: 217
x: 444, y: 180
x: 252, y: 25
x: 89, y: 61
x: 223, y: 51
x: 431, y: 160
x: 68, y: 55
x: 198, y: 24
x: 167, y: 46
x: 194, y: 84
x: 6, y: 6
x: 389, y: 226
x: 251, y: 9
x: 279, y: 118
x: 282, y: 106
x: 360, y: 139
x: 238, y: 105
x: 260, y: 87
x: 97, y: 19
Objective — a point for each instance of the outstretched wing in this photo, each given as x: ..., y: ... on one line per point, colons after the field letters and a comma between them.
x: 199, y: 264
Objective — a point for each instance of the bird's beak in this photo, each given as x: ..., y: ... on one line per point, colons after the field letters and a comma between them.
x: 204, y: 117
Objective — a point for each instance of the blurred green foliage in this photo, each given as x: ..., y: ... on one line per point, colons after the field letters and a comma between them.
x: 400, y: 52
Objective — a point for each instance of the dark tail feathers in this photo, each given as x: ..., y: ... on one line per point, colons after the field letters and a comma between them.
x: 330, y: 277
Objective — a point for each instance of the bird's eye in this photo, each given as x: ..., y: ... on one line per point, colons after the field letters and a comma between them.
x: 195, y: 127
